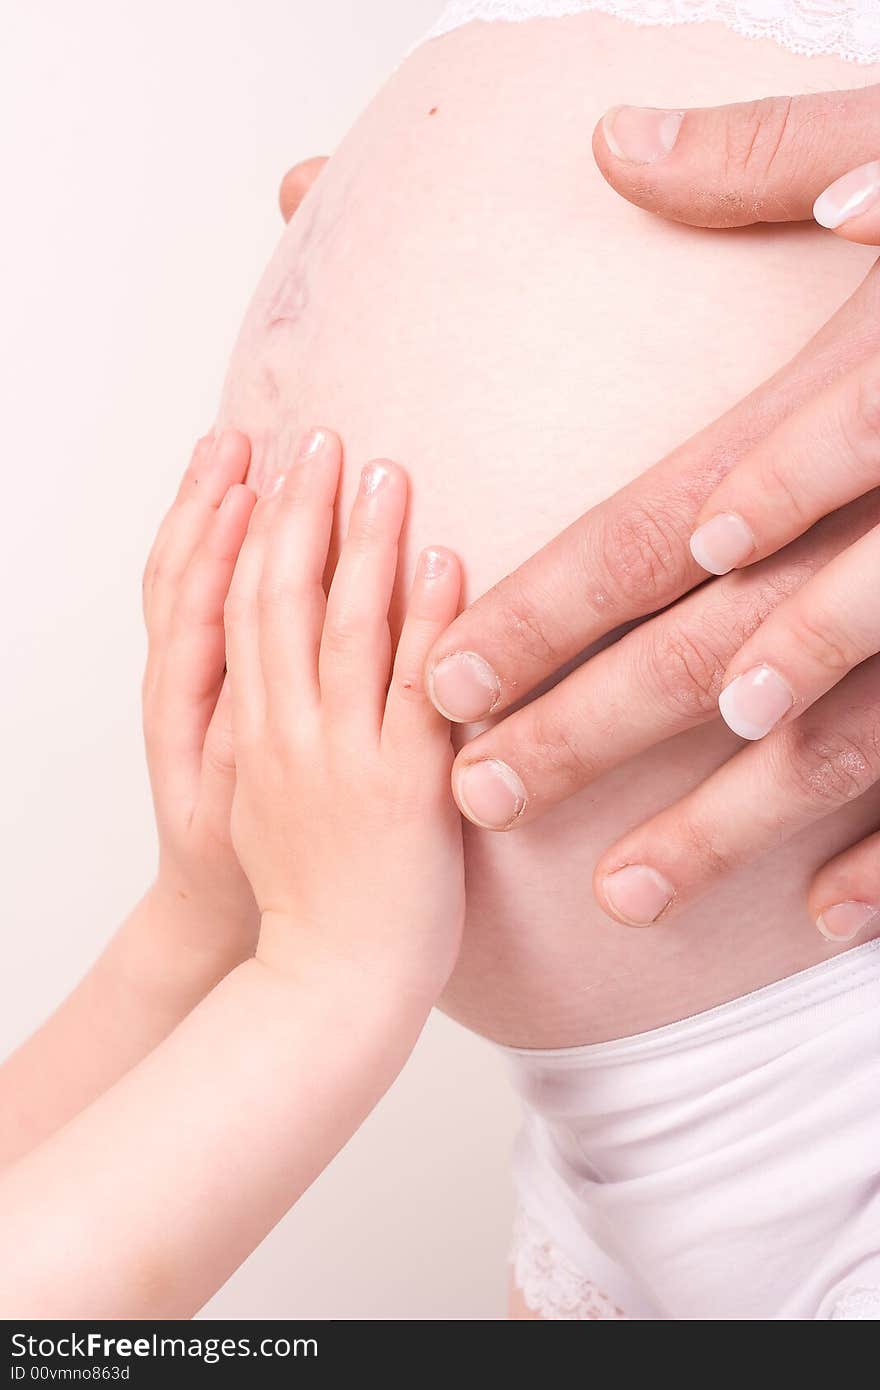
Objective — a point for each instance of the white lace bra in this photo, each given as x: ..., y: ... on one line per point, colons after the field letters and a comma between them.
x: 848, y: 29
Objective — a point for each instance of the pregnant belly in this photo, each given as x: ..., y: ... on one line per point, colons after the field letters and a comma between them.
x: 463, y: 293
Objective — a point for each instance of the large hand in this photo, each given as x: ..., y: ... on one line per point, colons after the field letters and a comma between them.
x: 296, y: 184
x: 626, y: 559
x: 757, y: 161
x: 776, y: 160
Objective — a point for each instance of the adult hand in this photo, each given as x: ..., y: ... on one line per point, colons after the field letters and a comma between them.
x: 296, y: 184
x: 782, y: 159
x: 629, y: 558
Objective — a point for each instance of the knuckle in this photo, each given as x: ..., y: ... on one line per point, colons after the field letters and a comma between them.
x: 554, y: 745
x: 237, y: 610
x: 219, y: 755
x: 829, y: 768
x: 642, y: 557
x: 862, y: 429
x: 295, y: 491
x: 338, y: 635
x: 704, y: 850
x: 274, y: 595
x: 822, y: 643
x: 755, y: 141
x: 687, y: 668
x: 523, y: 628
x: 777, y: 480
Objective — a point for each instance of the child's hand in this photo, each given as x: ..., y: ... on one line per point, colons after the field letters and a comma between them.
x: 186, y: 708
x: 343, y: 816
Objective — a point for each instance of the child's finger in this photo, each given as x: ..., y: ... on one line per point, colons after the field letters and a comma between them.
x: 218, y: 761
x: 292, y: 587
x: 197, y: 460
x: 215, y: 466
x: 356, y: 645
x: 409, y: 713
x: 241, y: 625
x: 194, y: 657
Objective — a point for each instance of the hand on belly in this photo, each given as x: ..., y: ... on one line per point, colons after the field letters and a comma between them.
x: 437, y: 329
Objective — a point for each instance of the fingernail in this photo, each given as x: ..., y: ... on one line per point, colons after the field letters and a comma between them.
x: 722, y: 543
x: 434, y: 565
x: 843, y: 921
x: 463, y: 687
x: 373, y: 477
x: 848, y: 196
x: 312, y: 443
x: 638, y: 894
x: 641, y: 134
x: 491, y: 794
x: 755, y: 701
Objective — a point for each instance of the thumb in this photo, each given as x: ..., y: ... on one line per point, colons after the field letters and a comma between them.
x: 296, y: 184
x: 730, y: 166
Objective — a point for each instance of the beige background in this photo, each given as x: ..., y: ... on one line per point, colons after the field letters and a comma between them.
x: 142, y: 149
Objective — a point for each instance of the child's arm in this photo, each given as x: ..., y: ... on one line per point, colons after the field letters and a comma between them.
x: 198, y: 920
x: 344, y: 822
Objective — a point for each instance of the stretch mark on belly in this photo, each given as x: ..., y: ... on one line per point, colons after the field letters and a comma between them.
x: 290, y: 300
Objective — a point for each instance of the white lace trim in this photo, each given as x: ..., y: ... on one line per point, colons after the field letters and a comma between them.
x: 548, y: 1281
x: 861, y: 1305
x: 847, y: 29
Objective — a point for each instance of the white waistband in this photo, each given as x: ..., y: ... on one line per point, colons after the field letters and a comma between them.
x: 848, y: 29
x: 818, y: 988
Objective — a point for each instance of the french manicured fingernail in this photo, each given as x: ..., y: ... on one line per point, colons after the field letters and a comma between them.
x: 641, y: 134
x: 722, y: 543
x: 848, y: 197
x: 755, y: 701
x: 463, y: 687
x: 491, y: 794
x: 373, y: 477
x: 843, y: 921
x: 638, y: 894
x: 312, y: 443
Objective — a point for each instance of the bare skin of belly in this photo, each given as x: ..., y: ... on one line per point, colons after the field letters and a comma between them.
x: 463, y: 293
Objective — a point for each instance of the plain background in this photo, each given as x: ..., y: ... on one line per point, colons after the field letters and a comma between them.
x: 142, y: 150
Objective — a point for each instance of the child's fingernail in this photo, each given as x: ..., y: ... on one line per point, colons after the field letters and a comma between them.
x: 641, y: 134
x: 313, y: 441
x: 638, y: 894
x: 434, y: 565
x: 755, y: 701
x: 843, y: 921
x: 373, y: 477
x: 722, y: 543
x: 848, y: 197
x: 463, y: 687
x: 491, y: 794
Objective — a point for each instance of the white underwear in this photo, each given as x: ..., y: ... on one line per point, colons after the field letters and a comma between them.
x: 724, y: 1167
x: 846, y: 28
